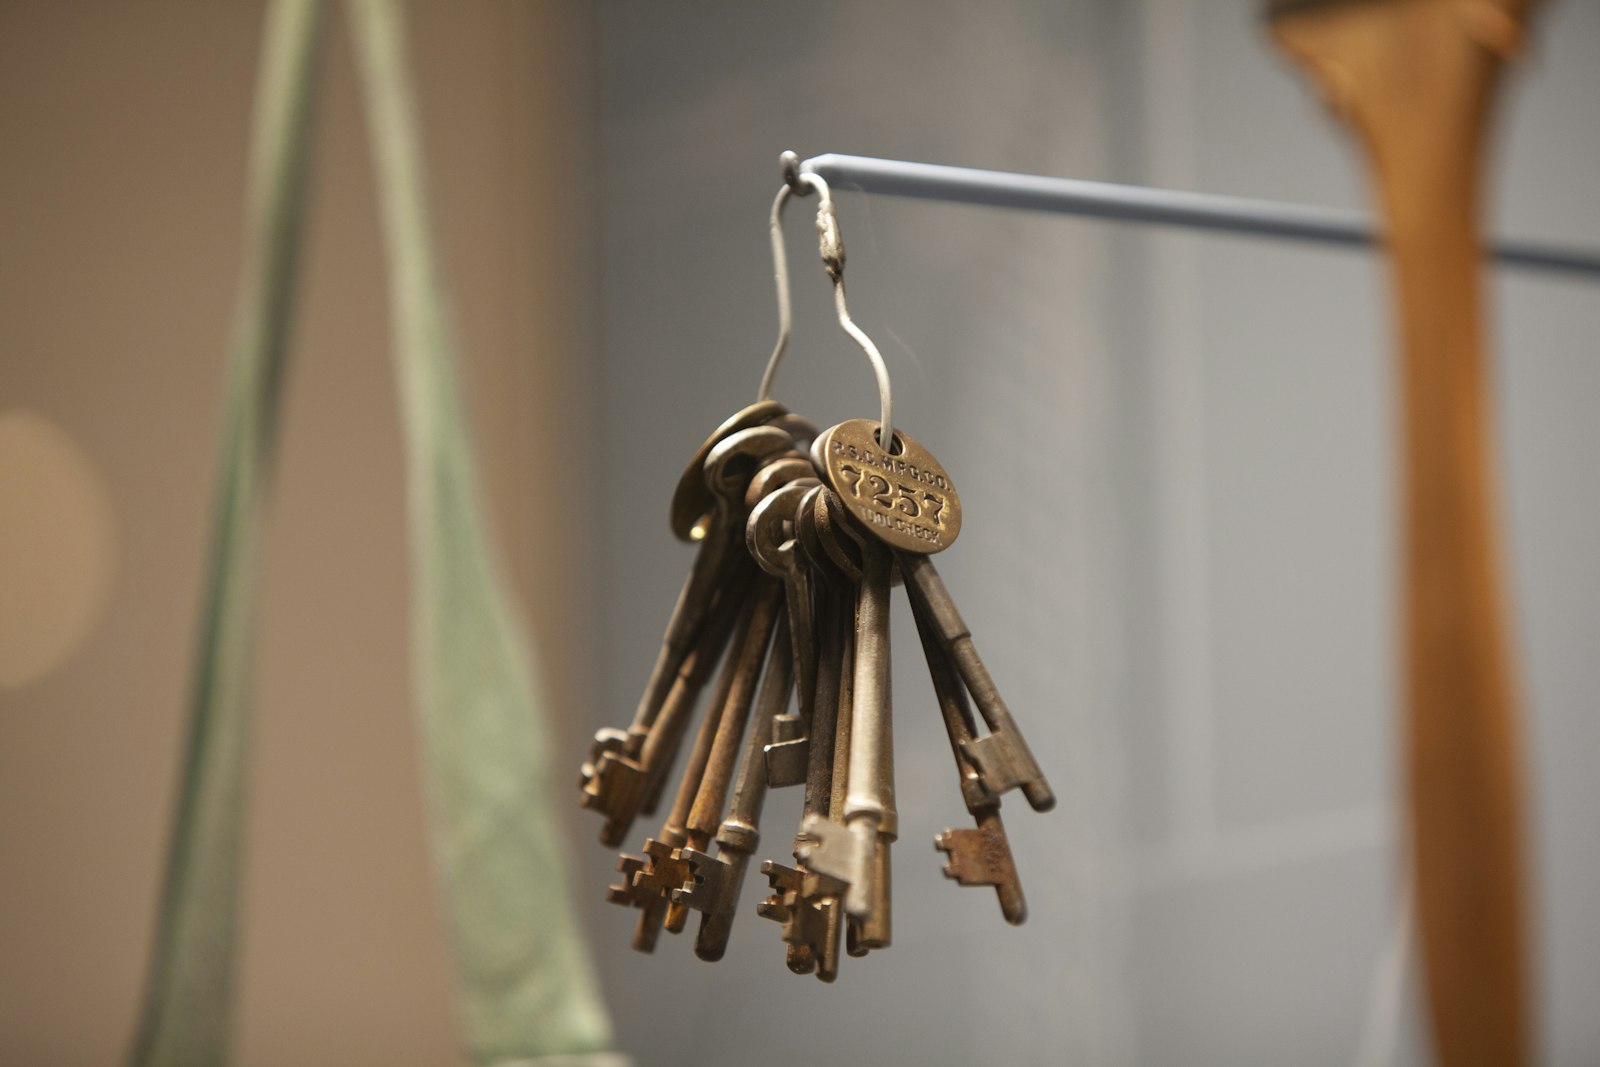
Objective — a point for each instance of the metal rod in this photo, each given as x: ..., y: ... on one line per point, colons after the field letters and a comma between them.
x: 1137, y: 203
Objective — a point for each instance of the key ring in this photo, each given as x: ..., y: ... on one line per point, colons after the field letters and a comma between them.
x: 830, y: 244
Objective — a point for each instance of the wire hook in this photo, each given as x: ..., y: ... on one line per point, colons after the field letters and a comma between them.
x: 795, y: 184
x: 830, y: 245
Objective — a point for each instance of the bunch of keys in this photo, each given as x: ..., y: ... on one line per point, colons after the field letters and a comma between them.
x: 801, y: 538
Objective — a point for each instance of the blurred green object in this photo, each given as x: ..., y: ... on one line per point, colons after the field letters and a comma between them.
x: 526, y: 986
x: 188, y: 1005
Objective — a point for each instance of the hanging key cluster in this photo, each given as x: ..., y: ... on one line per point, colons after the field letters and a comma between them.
x: 801, y: 537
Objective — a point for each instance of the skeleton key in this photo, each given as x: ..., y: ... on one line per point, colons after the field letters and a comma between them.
x: 615, y: 783
x: 1002, y: 758
x: 856, y: 854
x: 734, y: 466
x: 692, y: 509
x: 692, y: 500
x: 979, y: 856
x: 706, y: 814
x: 647, y: 880
x: 812, y: 920
x: 717, y: 880
x: 618, y: 785
x: 770, y: 538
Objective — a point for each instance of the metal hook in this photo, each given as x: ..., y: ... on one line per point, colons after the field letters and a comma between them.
x: 795, y: 184
x: 830, y: 244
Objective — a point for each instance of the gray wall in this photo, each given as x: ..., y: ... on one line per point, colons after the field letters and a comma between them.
x: 1175, y: 454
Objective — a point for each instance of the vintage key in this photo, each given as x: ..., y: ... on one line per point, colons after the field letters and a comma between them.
x: 692, y: 501
x: 706, y: 577
x: 741, y: 462
x: 617, y: 787
x: 616, y: 783
x: 856, y: 854
x: 980, y: 856
x: 833, y: 544
x: 717, y: 880
x: 802, y: 429
x: 811, y: 924
x: 647, y: 880
x: 771, y: 541
x: 706, y: 813
x: 1002, y: 757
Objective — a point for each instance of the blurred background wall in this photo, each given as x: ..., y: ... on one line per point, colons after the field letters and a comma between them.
x: 124, y: 129
x: 1175, y: 453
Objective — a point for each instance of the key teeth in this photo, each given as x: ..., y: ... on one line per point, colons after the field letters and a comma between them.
x: 615, y: 788
x: 627, y: 894
x: 1003, y: 763
x: 705, y: 872
x: 942, y: 843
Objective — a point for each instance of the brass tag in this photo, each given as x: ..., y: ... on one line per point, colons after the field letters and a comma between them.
x: 905, y: 499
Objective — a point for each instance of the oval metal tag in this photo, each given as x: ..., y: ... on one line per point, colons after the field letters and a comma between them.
x: 905, y: 499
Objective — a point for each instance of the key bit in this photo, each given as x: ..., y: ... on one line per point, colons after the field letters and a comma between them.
x: 606, y: 739
x: 785, y: 906
x: 810, y: 927
x: 1002, y: 757
x: 1004, y: 763
x: 652, y: 906
x: 616, y: 789
x: 837, y: 860
x: 713, y: 890
x: 982, y: 856
x: 663, y: 870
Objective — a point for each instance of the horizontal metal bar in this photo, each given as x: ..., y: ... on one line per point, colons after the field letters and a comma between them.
x: 1137, y: 203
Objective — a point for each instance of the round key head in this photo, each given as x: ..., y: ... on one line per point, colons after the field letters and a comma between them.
x: 802, y: 429
x: 805, y: 527
x: 777, y: 472
x: 770, y: 530
x: 733, y: 460
x: 903, y: 497
x: 833, y: 532
x: 691, y: 501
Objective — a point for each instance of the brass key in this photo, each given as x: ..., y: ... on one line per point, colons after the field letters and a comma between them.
x: 717, y: 880
x: 617, y: 783
x: 706, y: 814
x: 856, y: 854
x: 980, y: 856
x: 771, y: 541
x: 1002, y: 757
x: 648, y: 880
x: 705, y: 579
x: 812, y: 923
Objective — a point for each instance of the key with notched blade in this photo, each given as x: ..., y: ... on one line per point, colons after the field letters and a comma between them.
x: 856, y: 853
x: 648, y: 879
x: 812, y: 923
x: 692, y: 513
x: 706, y: 814
x: 980, y: 856
x: 1002, y: 757
x: 614, y: 782
x: 716, y: 881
